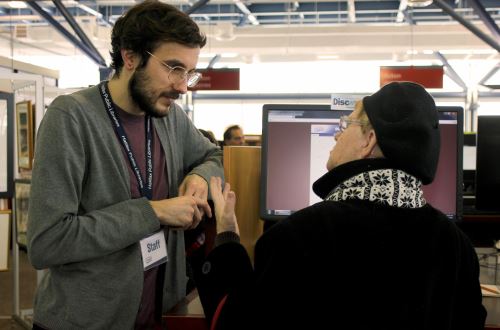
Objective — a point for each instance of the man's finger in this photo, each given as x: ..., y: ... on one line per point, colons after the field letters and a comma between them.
x: 197, y: 217
x: 203, y: 204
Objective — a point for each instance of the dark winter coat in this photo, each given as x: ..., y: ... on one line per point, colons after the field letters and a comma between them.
x: 353, y: 263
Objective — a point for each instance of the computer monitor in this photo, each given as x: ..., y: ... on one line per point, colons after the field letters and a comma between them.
x: 296, y: 140
x: 446, y: 191
x: 487, y: 163
x: 469, y: 172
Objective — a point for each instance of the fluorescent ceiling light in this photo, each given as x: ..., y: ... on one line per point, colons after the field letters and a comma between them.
x: 418, y: 3
x: 17, y: 4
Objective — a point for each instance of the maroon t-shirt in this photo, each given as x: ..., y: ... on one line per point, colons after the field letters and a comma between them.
x: 135, y: 128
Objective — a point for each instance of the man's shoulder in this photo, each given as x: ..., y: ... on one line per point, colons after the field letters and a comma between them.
x: 86, y: 95
x: 79, y: 101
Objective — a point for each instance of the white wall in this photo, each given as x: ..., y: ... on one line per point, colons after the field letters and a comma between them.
x: 319, y: 77
x: 288, y: 77
x: 74, y: 71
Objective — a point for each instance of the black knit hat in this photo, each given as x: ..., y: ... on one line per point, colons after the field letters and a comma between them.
x: 405, y: 121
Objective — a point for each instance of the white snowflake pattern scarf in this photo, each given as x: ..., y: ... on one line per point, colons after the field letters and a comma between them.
x: 385, y: 186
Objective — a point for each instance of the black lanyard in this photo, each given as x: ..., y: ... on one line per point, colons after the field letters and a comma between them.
x: 147, y: 190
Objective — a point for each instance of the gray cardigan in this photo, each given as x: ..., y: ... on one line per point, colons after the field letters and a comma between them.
x: 83, y: 225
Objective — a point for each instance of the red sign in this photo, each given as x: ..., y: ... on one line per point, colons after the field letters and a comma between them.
x: 218, y: 80
x: 427, y: 76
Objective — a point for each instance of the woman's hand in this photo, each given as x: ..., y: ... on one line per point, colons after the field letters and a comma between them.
x: 224, y: 204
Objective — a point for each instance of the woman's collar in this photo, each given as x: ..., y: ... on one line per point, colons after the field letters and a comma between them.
x: 330, y: 180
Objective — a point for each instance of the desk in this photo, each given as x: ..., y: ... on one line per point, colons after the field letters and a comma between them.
x: 482, y: 229
x: 492, y: 305
x: 188, y: 314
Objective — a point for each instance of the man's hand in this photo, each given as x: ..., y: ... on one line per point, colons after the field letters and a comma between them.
x: 195, y: 186
x: 224, y: 202
x: 180, y: 212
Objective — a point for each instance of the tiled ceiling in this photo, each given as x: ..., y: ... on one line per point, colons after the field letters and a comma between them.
x: 265, y: 13
x: 271, y: 29
x: 332, y: 12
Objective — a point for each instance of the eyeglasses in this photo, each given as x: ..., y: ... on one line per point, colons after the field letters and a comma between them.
x: 346, y: 122
x: 178, y: 74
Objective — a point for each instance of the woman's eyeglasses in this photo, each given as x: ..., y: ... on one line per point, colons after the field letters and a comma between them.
x: 346, y: 122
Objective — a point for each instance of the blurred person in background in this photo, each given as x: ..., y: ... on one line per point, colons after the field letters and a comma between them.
x: 233, y: 136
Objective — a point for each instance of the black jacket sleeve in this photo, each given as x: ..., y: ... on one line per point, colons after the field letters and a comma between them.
x: 226, y: 271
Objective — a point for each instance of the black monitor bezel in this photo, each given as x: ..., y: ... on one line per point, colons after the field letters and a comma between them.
x: 325, y: 107
x: 485, y: 200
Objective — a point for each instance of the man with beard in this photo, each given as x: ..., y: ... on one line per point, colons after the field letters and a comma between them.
x: 120, y: 172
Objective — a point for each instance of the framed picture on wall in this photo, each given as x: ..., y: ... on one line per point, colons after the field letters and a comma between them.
x: 24, y: 124
x: 6, y: 145
x: 4, y: 239
x: 22, y: 196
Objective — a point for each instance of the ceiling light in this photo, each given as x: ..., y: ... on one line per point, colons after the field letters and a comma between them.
x: 419, y: 3
x: 17, y: 4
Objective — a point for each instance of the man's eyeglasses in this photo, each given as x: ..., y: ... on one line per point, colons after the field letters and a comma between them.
x: 178, y: 74
x: 346, y: 122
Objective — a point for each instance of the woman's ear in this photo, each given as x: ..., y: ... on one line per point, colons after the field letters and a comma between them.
x: 370, y: 147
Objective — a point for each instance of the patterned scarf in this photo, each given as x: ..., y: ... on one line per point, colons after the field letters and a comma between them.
x: 385, y: 186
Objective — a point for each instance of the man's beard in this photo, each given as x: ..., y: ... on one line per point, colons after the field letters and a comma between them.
x: 143, y: 97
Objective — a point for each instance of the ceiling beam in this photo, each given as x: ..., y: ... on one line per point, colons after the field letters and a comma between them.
x: 448, y: 70
x: 486, y: 18
x: 213, y: 60
x: 471, y: 27
x: 197, y: 5
x: 94, y: 13
x: 248, y: 14
x: 78, y: 30
x: 403, y: 4
x: 351, y: 11
x: 490, y: 74
x: 84, y: 48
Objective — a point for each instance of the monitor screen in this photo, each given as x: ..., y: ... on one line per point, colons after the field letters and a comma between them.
x: 487, y: 163
x: 296, y: 140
